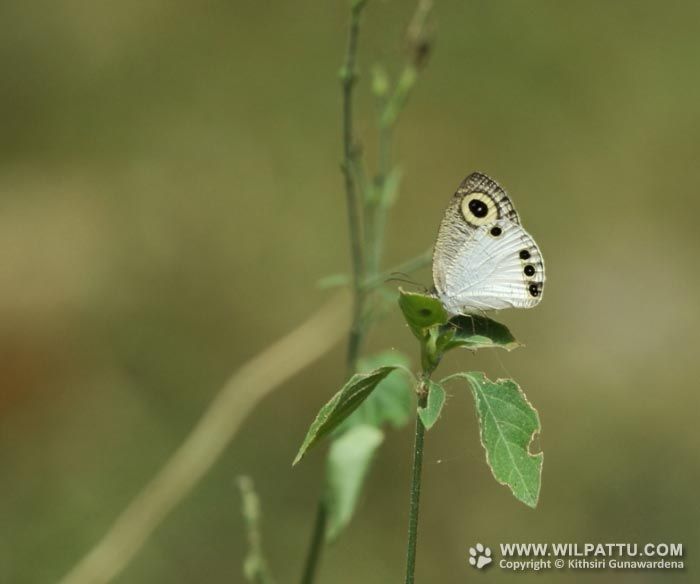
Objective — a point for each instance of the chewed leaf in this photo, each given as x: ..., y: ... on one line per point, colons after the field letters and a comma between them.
x: 349, y: 458
x: 436, y: 399
x: 478, y: 332
x: 341, y: 405
x: 508, y: 425
x: 421, y: 311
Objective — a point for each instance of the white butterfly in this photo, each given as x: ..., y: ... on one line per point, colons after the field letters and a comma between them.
x: 483, y: 258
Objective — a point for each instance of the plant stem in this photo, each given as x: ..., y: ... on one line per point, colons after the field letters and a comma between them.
x: 416, y: 484
x: 365, y: 245
x: 316, y: 546
x: 255, y: 565
x: 379, y: 208
x: 348, y: 78
x: 390, y: 106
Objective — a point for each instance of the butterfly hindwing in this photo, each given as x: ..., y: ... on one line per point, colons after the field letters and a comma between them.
x: 494, y: 272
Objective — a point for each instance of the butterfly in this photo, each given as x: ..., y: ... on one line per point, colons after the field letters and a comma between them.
x: 483, y: 258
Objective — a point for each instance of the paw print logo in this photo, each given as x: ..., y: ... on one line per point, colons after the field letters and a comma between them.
x: 480, y: 556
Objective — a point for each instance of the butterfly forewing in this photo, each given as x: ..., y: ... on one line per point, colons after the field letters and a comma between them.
x: 478, y: 182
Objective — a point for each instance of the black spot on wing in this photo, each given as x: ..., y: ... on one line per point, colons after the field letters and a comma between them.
x: 480, y: 182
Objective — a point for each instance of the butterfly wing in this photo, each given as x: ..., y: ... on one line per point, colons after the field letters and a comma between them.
x: 483, y: 258
x: 485, y: 188
x: 494, y: 272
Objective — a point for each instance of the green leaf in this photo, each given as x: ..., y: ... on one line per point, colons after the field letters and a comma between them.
x: 508, y: 426
x: 341, y: 405
x: 391, y: 402
x: 436, y: 399
x: 429, y: 322
x: 349, y: 458
x: 356, y: 438
x: 421, y: 311
x: 477, y: 332
x: 425, y: 316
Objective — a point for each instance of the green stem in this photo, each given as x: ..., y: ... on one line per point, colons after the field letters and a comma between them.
x: 348, y: 77
x: 380, y: 204
x: 316, y: 546
x: 390, y: 107
x: 361, y: 243
x: 351, y: 173
x: 255, y: 565
x: 416, y: 484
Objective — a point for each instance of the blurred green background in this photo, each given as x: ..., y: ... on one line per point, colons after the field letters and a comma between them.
x: 171, y: 194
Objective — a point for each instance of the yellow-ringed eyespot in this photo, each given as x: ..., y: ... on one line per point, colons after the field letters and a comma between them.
x: 479, y: 209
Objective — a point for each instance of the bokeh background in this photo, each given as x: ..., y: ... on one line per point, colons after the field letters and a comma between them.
x: 170, y: 196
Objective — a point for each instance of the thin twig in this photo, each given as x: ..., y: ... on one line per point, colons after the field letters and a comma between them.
x: 416, y: 485
x: 255, y: 567
x: 205, y: 443
x: 379, y: 204
x: 366, y: 239
x: 319, y: 532
x: 348, y: 76
x: 418, y: 40
x: 351, y: 170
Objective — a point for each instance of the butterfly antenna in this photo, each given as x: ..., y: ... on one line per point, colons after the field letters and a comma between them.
x: 406, y: 279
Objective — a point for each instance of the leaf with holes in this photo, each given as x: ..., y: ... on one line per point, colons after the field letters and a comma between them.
x: 341, y: 405
x: 421, y: 312
x: 508, y: 425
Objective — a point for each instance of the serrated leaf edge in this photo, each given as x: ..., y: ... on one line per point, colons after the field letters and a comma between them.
x: 471, y: 377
